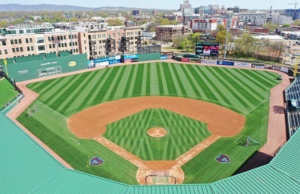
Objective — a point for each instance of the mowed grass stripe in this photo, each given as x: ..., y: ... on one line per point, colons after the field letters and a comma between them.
x: 187, y: 84
x: 207, y: 81
x: 113, y: 85
x: 163, y: 80
x: 197, y: 89
x: 159, y: 77
x: 117, y: 84
x: 238, y: 90
x: 122, y: 86
x: 267, y: 77
x: 200, y: 82
x: 73, y: 95
x: 132, y: 85
x: 177, y: 79
x: 60, y: 92
x: 144, y: 82
x: 174, y: 80
x: 169, y: 80
x: 54, y: 88
x: 94, y: 88
x: 258, y: 79
x: 128, y: 83
x: 148, y: 75
x: 154, y: 86
x: 105, y: 84
x: 261, y: 94
x: 80, y: 96
x: 255, y: 81
x: 52, y: 84
x: 41, y: 85
x: 138, y: 81
x: 231, y: 93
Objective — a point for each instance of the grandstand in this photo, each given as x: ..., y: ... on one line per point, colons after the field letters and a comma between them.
x: 292, y: 96
x: 27, y: 168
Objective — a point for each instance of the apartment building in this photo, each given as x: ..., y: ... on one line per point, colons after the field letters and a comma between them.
x: 92, y: 42
x: 204, y: 25
x: 168, y: 32
x: 253, y: 18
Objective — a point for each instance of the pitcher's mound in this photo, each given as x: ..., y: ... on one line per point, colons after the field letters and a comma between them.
x: 157, y: 132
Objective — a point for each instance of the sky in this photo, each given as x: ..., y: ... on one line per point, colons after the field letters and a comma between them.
x: 163, y: 4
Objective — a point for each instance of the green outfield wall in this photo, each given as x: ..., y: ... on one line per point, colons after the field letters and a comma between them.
x: 149, y: 56
x: 22, y: 71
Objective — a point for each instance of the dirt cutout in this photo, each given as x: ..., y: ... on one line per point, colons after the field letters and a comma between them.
x: 157, y: 132
x: 221, y: 122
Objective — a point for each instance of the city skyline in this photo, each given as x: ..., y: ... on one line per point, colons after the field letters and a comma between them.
x: 254, y: 4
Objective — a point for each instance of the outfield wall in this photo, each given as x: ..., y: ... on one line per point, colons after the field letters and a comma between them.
x: 46, y: 67
x: 149, y: 57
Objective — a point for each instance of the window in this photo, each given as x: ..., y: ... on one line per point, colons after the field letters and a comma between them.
x: 4, y: 43
x: 11, y: 41
x: 20, y: 41
x: 76, y: 50
x: 17, y: 49
x: 58, y: 38
x: 65, y: 37
x: 32, y: 48
x: 50, y: 45
x: 28, y: 48
x: 65, y: 44
x: 59, y: 45
x: 76, y: 43
x: 30, y: 40
x: 0, y: 52
x: 13, y: 50
x: 5, y: 52
x: 49, y: 38
x: 41, y: 48
x: 16, y: 41
x: 53, y: 45
x: 26, y: 40
x: 21, y: 49
x: 75, y: 36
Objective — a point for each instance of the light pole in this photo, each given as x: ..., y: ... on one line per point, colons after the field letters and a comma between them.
x: 227, y: 25
x: 71, y: 36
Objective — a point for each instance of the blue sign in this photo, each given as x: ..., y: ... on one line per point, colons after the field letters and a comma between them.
x: 96, y: 161
x: 229, y: 63
x: 134, y: 56
x: 163, y: 57
x: 101, y: 60
x: 91, y: 63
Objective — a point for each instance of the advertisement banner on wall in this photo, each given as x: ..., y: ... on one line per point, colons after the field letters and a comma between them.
x: 228, y: 63
x: 284, y: 69
x: 101, y: 62
x: 114, y: 60
x: 185, y: 60
x: 163, y: 57
x: 90, y: 63
x: 259, y: 67
x: 133, y: 56
x: 242, y: 64
x: 213, y: 62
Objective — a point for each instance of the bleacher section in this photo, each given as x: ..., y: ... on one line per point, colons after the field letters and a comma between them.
x: 292, y: 96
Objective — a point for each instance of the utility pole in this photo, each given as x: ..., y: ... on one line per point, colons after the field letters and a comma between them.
x: 71, y: 36
x: 227, y: 26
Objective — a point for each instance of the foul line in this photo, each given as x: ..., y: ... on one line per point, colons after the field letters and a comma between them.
x: 74, y: 140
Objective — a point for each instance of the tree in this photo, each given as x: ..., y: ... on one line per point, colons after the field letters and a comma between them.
x: 245, y: 46
x: 114, y: 22
x: 178, y: 40
x: 186, y: 43
x: 271, y: 26
x: 74, y: 20
x: 286, y: 25
x: 221, y: 35
x: 3, y: 23
x: 297, y: 22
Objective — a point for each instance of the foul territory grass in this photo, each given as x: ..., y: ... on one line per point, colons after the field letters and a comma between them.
x: 7, y: 92
x: 131, y: 133
x: 244, y: 91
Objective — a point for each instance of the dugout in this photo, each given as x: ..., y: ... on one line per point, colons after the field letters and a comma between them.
x: 36, y: 66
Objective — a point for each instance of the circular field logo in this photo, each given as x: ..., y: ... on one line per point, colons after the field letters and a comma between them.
x: 72, y: 64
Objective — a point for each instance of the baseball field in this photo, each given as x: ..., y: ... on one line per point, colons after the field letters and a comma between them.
x: 63, y: 100
x: 8, y: 92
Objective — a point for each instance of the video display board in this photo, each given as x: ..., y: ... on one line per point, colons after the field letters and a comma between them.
x: 207, y: 49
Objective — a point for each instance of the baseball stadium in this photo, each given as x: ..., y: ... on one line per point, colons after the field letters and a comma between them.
x: 154, y: 126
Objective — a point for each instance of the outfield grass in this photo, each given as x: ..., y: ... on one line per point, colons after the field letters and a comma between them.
x: 131, y: 133
x: 244, y: 91
x: 7, y: 92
